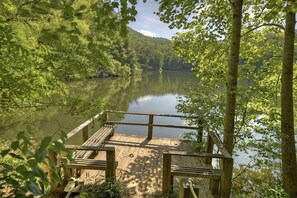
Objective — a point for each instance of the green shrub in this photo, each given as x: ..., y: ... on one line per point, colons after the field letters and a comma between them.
x: 22, y: 166
x: 109, y: 189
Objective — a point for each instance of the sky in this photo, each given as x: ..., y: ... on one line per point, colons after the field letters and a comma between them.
x: 148, y: 23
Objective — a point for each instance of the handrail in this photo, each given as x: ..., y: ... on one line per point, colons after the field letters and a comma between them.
x: 219, y: 144
x: 147, y: 114
x: 150, y: 123
x: 154, y: 125
x: 83, y: 125
x: 193, y: 154
x: 211, y: 134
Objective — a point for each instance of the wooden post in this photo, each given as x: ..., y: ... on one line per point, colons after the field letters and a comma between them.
x: 209, y: 149
x: 200, y: 131
x: 104, y: 117
x: 166, y: 181
x: 52, y: 162
x: 86, y: 133
x: 110, y: 161
x: 214, y: 186
x: 226, y: 183
x: 150, y: 127
x: 67, y: 174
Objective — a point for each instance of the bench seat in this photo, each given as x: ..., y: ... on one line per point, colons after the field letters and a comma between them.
x: 202, y: 172
x: 95, y: 140
x: 89, y: 164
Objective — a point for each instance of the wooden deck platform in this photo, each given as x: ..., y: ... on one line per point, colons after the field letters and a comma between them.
x: 140, y: 164
x: 139, y: 159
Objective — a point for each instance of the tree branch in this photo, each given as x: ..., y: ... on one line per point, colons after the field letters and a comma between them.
x: 26, y: 3
x: 263, y: 25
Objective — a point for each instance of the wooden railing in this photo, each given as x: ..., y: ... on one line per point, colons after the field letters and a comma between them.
x: 217, y: 176
x: 86, y: 133
x: 85, y: 127
x: 150, y: 124
x: 110, y: 159
x: 212, y: 141
x: 225, y: 186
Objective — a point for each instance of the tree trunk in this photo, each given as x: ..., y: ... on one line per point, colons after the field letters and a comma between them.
x: 231, y: 94
x: 289, y: 166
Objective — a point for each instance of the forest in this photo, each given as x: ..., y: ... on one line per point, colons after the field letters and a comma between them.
x: 243, y: 54
x: 156, y: 54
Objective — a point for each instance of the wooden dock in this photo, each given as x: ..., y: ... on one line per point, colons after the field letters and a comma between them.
x: 140, y: 164
x: 147, y: 166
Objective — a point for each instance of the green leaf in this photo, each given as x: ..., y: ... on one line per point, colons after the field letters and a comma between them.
x: 45, y: 5
x: 82, y: 7
x: 25, y: 13
x: 21, y: 169
x: 7, y: 166
x: 15, y: 145
x: 133, y: 2
x: 33, y: 188
x: 21, y: 135
x: 40, y: 155
x: 74, y: 39
x: 39, y: 10
x: 32, y: 162
x: 38, y: 172
x: 45, y: 142
x: 115, y: 4
x: 57, y: 147
x: 63, y: 136
x: 68, y: 11
x: 4, y: 152
x: 16, y: 156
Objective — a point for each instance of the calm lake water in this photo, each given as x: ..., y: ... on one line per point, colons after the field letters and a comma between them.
x: 149, y: 93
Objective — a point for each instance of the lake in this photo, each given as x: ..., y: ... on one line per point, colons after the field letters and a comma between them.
x: 152, y: 92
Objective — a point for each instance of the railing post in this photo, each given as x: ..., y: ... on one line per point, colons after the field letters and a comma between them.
x: 166, y: 181
x: 104, y: 117
x: 150, y: 127
x: 200, y: 130
x: 226, y: 179
x: 209, y: 149
x: 214, y: 186
x: 52, y: 162
x: 67, y: 174
x: 86, y: 133
x: 110, y: 172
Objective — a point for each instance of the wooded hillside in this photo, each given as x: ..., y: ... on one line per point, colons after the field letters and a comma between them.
x: 155, y: 53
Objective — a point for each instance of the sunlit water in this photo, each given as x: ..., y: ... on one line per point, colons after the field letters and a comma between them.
x: 149, y: 93
x: 163, y: 104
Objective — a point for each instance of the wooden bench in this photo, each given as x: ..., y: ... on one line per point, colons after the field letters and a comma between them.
x: 94, y: 144
x: 108, y: 166
x: 169, y: 171
x: 95, y: 140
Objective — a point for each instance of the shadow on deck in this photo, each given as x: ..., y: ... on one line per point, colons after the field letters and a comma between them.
x: 140, y: 164
x: 145, y: 166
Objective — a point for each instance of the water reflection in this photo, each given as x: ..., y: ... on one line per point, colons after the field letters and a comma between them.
x: 150, y: 92
x: 163, y: 104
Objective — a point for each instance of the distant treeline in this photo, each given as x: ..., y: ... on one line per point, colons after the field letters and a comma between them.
x: 155, y: 54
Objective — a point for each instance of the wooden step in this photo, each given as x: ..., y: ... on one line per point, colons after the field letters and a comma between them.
x: 89, y: 164
x: 195, y: 172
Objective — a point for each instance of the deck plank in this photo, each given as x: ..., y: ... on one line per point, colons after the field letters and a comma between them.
x: 140, y: 164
